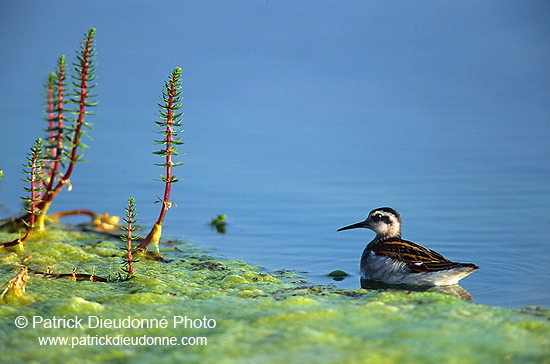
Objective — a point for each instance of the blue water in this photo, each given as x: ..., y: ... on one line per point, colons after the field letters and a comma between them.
x: 303, y: 119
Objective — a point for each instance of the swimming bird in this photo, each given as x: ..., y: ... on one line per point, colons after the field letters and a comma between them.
x: 392, y: 260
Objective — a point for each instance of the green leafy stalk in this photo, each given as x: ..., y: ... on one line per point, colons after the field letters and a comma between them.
x: 55, y: 149
x: 50, y: 113
x: 83, y: 75
x: 35, y: 178
x: 50, y: 119
x: 171, y: 121
x: 84, y: 70
x: 130, y: 220
x: 63, y: 143
x: 36, y: 181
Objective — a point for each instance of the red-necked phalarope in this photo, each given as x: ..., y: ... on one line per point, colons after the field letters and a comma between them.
x: 392, y: 260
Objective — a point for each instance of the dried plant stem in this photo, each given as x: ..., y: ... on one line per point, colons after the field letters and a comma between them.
x: 15, y: 289
x: 73, y: 274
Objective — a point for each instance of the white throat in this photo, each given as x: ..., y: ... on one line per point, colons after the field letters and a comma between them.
x: 388, y: 230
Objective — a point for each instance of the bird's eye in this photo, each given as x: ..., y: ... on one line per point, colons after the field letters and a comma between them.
x: 377, y: 217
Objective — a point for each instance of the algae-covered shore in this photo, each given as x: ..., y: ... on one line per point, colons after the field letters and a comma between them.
x: 195, y: 307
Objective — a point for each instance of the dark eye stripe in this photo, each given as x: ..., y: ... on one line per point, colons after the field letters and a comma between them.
x: 384, y: 218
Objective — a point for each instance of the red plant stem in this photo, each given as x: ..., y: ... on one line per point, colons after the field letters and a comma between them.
x: 84, y: 73
x: 34, y: 198
x: 50, y: 117
x: 86, y: 59
x: 35, y: 191
x: 129, y: 249
x: 168, y: 178
x: 57, y: 215
x: 51, y: 121
x: 169, y: 140
x: 82, y: 109
x: 56, y: 153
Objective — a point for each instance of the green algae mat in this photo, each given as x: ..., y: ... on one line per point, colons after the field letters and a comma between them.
x: 195, y: 308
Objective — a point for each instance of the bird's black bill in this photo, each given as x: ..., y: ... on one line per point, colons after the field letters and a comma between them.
x: 354, y: 226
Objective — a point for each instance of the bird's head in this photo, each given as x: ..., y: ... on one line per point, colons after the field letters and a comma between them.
x: 384, y: 221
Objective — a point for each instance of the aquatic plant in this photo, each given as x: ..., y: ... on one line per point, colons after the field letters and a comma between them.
x: 73, y: 275
x: 219, y: 223
x: 83, y: 76
x: 100, y: 222
x: 36, y: 181
x: 55, y: 107
x: 131, y: 221
x: 64, y: 146
x: 35, y: 178
x: 170, y: 122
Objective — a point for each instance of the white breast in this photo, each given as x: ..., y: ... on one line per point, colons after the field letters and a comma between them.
x: 391, y: 271
x: 383, y: 269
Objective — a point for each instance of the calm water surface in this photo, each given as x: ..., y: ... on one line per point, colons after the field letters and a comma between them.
x: 302, y: 118
x: 280, y: 219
